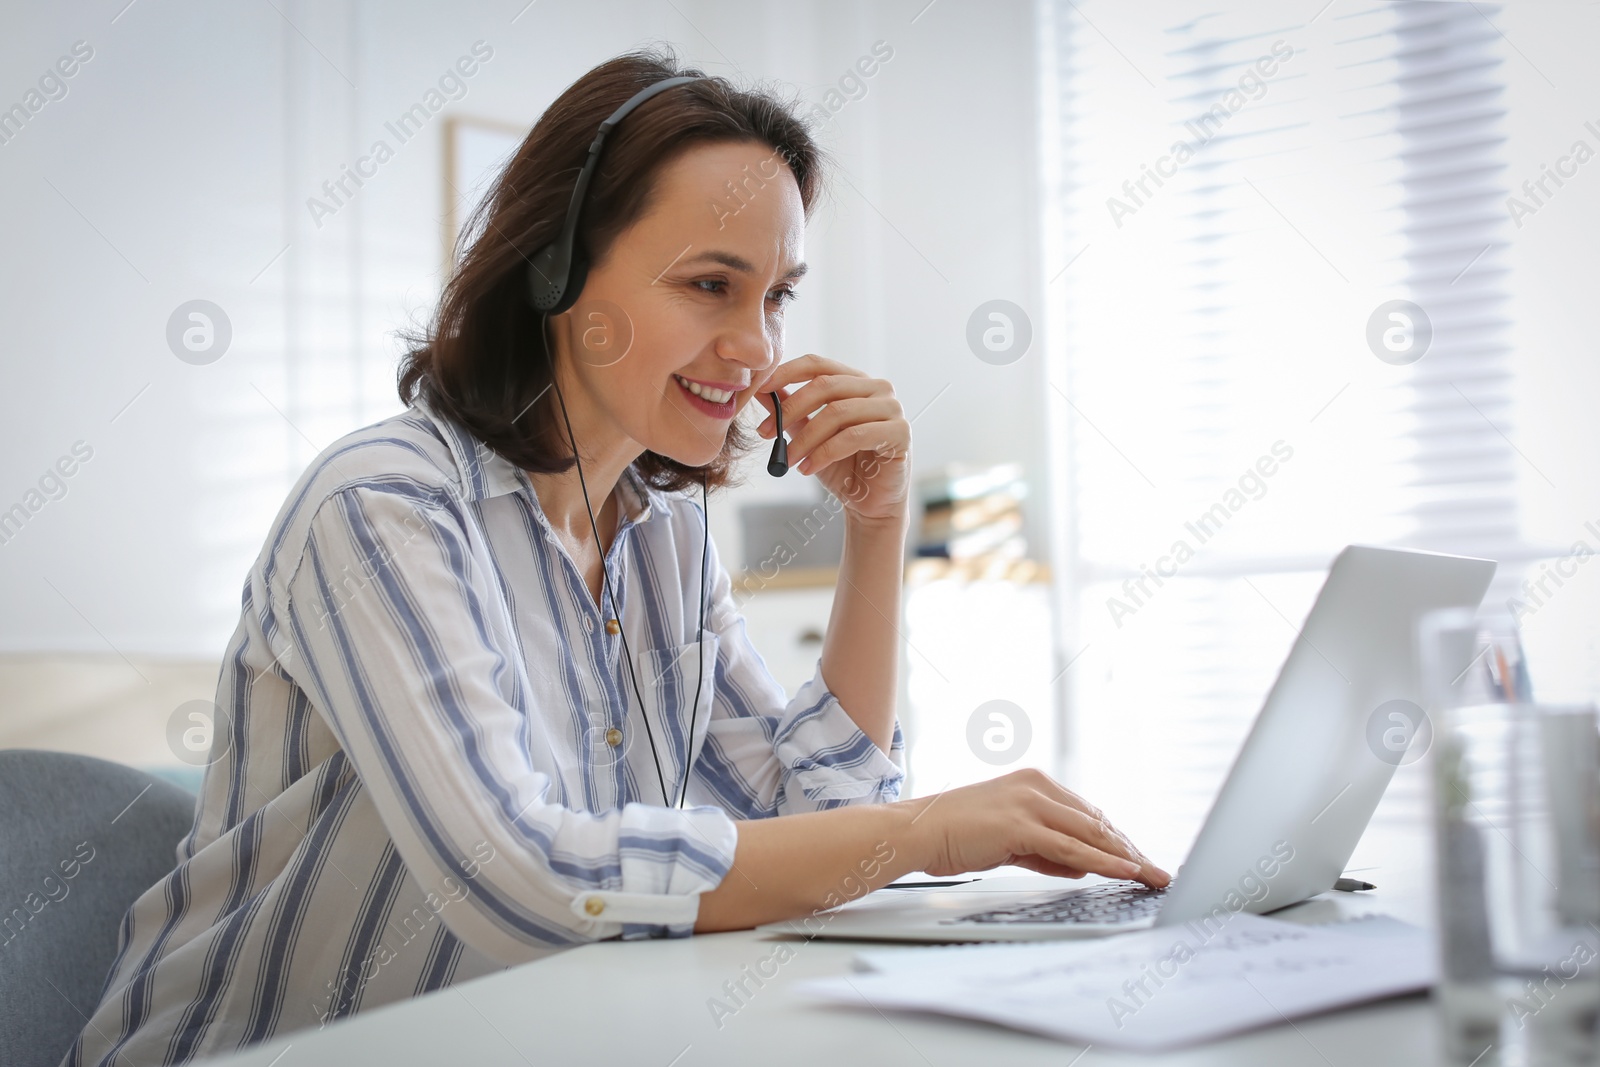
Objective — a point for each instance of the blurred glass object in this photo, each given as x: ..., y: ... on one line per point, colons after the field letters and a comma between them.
x: 1517, y: 844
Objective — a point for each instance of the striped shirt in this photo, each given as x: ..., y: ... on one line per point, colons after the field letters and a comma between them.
x: 428, y: 763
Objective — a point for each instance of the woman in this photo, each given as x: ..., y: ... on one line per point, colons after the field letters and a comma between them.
x: 432, y: 765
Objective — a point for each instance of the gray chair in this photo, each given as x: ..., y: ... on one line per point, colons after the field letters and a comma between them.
x: 80, y: 839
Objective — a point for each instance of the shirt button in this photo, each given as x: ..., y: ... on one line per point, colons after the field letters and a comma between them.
x: 613, y: 626
x: 594, y: 905
x: 613, y: 737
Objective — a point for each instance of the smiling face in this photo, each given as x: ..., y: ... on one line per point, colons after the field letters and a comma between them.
x: 694, y: 290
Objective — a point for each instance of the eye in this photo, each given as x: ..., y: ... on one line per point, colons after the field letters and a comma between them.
x: 782, y: 296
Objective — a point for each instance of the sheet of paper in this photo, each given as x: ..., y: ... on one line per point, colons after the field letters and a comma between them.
x: 1154, y: 989
x: 886, y: 958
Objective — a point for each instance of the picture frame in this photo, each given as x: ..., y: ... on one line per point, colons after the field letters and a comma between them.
x: 476, y: 148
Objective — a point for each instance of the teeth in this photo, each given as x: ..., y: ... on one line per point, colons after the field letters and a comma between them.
x: 716, y: 396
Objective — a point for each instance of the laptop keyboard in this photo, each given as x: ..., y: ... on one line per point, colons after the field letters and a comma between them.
x: 1111, y: 902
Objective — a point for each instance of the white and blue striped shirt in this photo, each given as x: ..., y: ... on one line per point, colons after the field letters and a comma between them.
x: 436, y: 767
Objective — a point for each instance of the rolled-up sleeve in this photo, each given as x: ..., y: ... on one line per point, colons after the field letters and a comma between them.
x: 388, y: 623
x: 767, y: 753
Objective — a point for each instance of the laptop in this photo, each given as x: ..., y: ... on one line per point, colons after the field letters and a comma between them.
x: 1295, y: 803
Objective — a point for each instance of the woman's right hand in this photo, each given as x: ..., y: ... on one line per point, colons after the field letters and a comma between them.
x: 1028, y: 819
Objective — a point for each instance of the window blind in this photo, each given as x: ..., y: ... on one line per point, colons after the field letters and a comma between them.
x: 1233, y: 201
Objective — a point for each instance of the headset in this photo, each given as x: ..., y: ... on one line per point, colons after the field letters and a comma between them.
x: 556, y: 274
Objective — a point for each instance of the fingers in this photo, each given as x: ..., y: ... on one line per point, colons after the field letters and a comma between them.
x: 814, y: 432
x: 806, y: 367
x: 1041, y: 865
x: 1065, y: 850
x: 1097, y: 832
x: 764, y: 398
x: 1061, y: 794
x: 1109, y: 839
x: 865, y: 437
x: 819, y: 390
x: 1058, y: 792
x: 1092, y: 827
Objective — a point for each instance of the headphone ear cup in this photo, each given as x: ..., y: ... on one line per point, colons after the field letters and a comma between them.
x: 575, y: 279
x: 547, y: 278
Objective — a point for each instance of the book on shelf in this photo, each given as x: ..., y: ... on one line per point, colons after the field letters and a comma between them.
x: 972, y: 511
x: 1013, y: 547
x: 968, y: 481
x: 945, y: 521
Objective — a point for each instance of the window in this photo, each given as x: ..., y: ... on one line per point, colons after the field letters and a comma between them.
x: 1233, y: 201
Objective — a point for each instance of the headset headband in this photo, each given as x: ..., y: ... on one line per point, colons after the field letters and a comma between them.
x: 554, y: 276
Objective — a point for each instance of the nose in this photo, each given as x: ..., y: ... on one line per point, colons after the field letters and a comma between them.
x: 745, y: 339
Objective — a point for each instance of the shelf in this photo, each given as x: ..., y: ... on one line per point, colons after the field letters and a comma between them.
x: 921, y: 569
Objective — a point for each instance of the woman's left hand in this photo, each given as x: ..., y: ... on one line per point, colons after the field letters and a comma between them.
x: 858, y: 445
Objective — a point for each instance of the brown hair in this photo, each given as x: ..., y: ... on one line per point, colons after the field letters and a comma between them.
x: 483, y: 360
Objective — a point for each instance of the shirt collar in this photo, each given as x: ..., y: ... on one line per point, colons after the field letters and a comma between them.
x: 481, y: 472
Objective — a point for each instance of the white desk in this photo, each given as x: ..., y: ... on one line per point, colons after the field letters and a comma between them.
x: 645, y: 1002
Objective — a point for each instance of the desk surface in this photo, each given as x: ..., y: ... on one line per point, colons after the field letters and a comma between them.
x: 647, y: 1002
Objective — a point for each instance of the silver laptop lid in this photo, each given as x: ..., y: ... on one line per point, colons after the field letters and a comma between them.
x: 1322, y: 750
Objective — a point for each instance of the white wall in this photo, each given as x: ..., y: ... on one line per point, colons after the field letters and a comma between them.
x: 177, y: 167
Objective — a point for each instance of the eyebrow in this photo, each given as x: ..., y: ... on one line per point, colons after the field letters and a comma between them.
x: 742, y: 265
